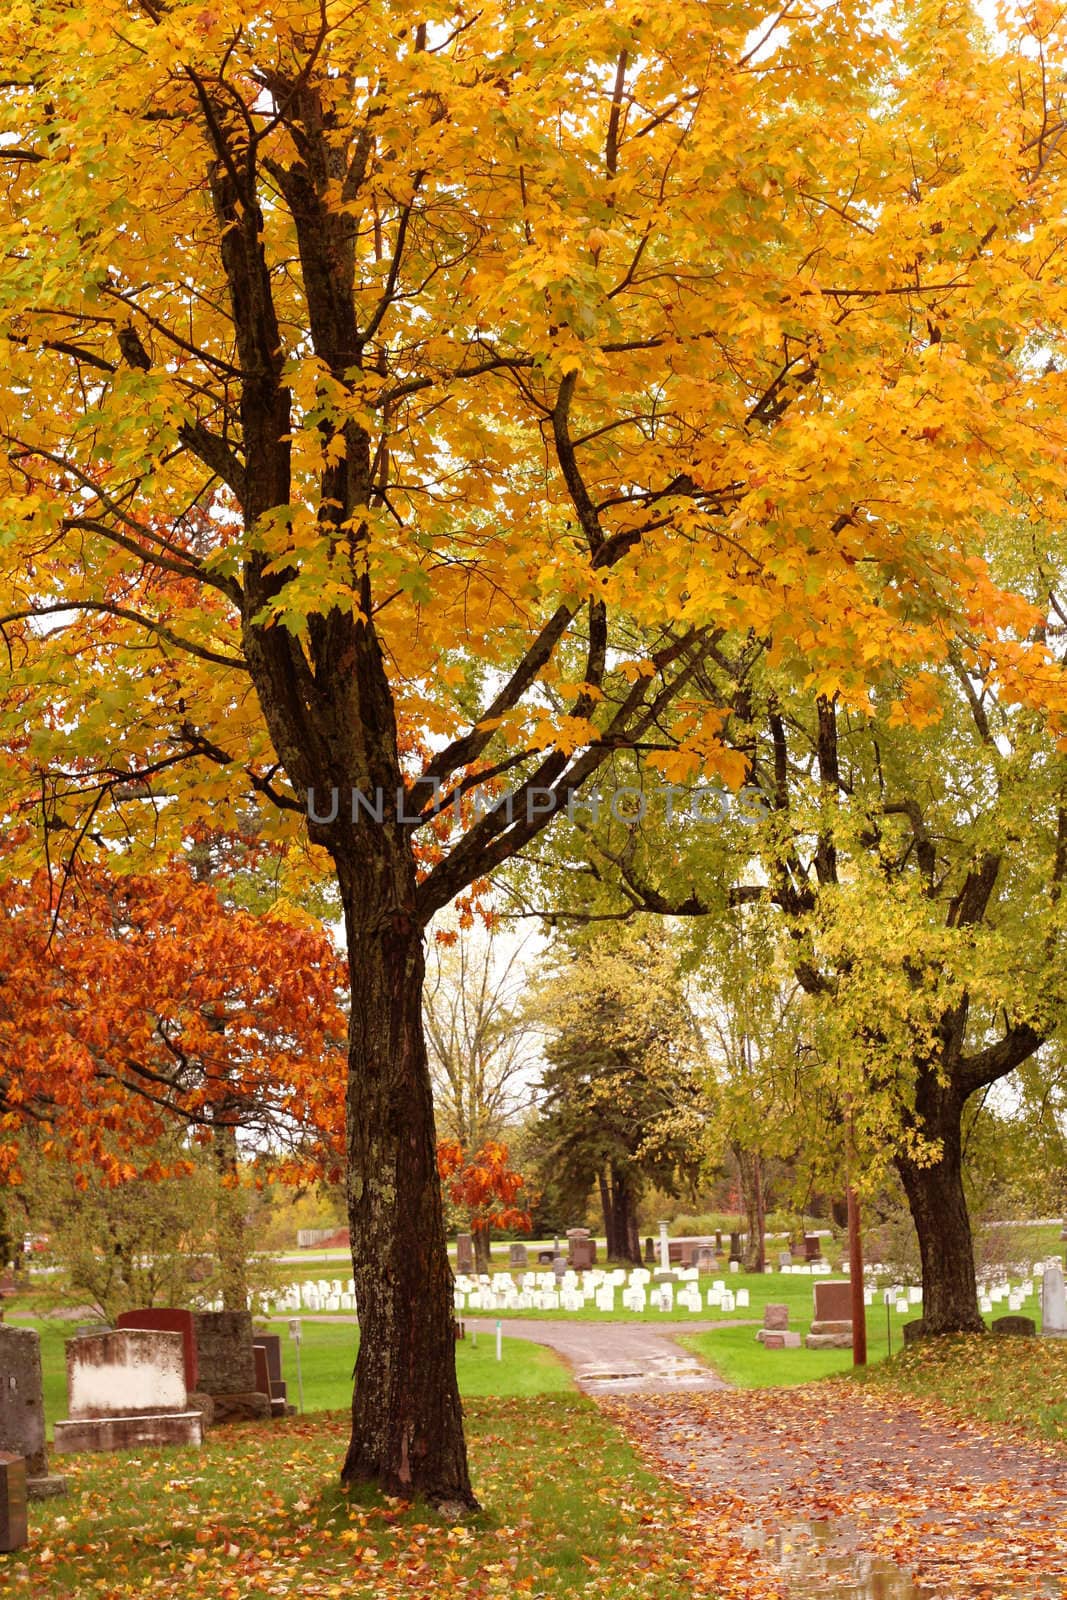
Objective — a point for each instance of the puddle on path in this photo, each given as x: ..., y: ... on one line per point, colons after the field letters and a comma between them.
x: 815, y: 1559
x: 820, y: 1561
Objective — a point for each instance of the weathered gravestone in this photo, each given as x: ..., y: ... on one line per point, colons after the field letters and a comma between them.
x: 167, y: 1319
x: 1053, y: 1303
x: 1016, y: 1327
x: 704, y: 1258
x: 832, y: 1327
x: 267, y: 1354
x: 583, y: 1254
x: 516, y: 1255
x: 735, y: 1247
x: 650, y: 1250
x: 125, y: 1389
x: 785, y: 1259
x: 171, y: 1319
x: 464, y: 1253
x: 14, y: 1530
x: 775, y: 1333
x: 812, y: 1247
x: 22, y: 1409
x: 226, y: 1365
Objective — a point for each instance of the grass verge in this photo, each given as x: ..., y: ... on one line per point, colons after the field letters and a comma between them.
x: 258, y: 1512
x: 1019, y: 1383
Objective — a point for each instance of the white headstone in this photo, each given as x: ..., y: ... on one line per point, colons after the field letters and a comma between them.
x: 1053, y: 1302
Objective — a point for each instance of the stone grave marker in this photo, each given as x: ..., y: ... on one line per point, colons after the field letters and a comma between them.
x: 126, y: 1388
x: 14, y: 1530
x: 277, y: 1389
x: 735, y: 1247
x: 1016, y: 1327
x: 812, y: 1247
x: 169, y: 1319
x: 22, y: 1409
x: 832, y: 1327
x: 583, y: 1254
x: 705, y: 1259
x: 1053, y: 1303
x: 226, y: 1365
x: 775, y: 1333
x: 650, y: 1249
x: 464, y: 1252
x: 517, y: 1255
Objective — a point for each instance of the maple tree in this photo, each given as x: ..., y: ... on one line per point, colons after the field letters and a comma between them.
x: 486, y: 1188
x: 403, y: 404
x: 141, y: 1001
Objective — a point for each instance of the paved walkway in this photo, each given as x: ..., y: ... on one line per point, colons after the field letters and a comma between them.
x: 843, y: 1491
x: 618, y: 1357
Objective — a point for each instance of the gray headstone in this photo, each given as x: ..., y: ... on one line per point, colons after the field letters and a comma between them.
x: 224, y: 1359
x: 22, y: 1398
x: 464, y: 1252
x: 1053, y: 1303
x: 517, y: 1255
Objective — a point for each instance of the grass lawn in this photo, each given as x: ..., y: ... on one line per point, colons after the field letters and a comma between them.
x: 327, y: 1355
x: 1018, y: 1382
x: 568, y: 1510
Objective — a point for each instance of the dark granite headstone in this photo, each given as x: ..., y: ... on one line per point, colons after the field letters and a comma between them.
x: 833, y: 1300
x: 718, y: 1241
x: 735, y: 1247
x: 650, y: 1250
x: 14, y: 1531
x: 812, y: 1247
x: 914, y: 1331
x: 1019, y: 1327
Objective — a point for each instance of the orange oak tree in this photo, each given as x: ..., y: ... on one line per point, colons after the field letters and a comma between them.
x: 401, y: 401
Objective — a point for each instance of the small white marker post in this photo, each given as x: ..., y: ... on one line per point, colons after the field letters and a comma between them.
x: 295, y: 1334
x: 499, y: 1337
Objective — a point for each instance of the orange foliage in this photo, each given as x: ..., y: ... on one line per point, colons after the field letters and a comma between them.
x: 484, y: 1184
x: 142, y: 998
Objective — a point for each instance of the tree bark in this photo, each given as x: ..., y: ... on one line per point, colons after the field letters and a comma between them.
x: 750, y: 1173
x: 938, y: 1206
x: 407, y: 1427
x: 231, y: 1247
x: 482, y: 1258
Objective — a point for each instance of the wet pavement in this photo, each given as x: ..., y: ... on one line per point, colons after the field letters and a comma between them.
x: 618, y: 1358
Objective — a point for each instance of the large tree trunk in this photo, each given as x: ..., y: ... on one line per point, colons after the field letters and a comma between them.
x: 938, y: 1207
x: 231, y: 1243
x: 407, y: 1428
x: 620, y: 1216
x: 482, y: 1255
x: 750, y: 1173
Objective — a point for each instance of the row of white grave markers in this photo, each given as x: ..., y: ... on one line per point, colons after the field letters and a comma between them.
x: 573, y: 1291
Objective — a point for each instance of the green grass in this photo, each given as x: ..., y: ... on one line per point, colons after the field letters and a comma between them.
x: 568, y: 1510
x: 327, y: 1356
x: 328, y: 1353
x: 1021, y: 1383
